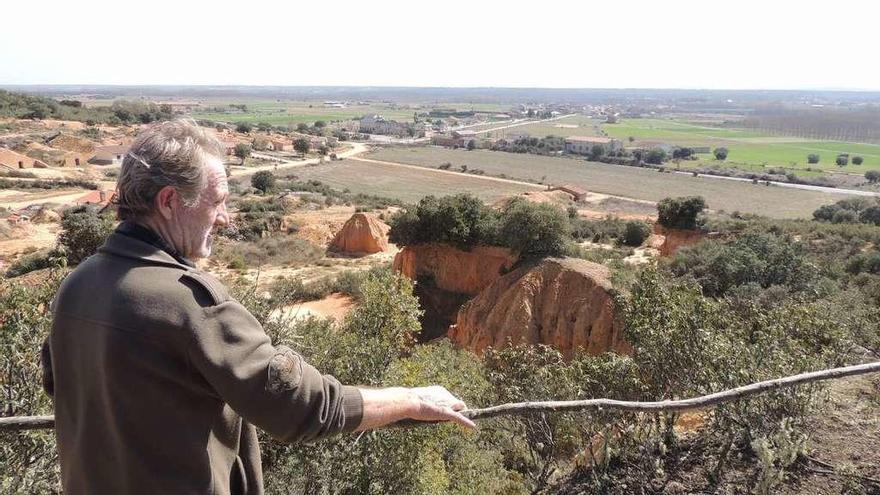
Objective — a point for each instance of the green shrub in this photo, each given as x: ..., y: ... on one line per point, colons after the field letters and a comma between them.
x: 83, y: 231
x: 533, y: 230
x: 461, y: 220
x: 29, y: 459
x: 263, y: 180
x: 635, y: 233
x: 812, y: 158
x: 763, y: 259
x: 680, y: 213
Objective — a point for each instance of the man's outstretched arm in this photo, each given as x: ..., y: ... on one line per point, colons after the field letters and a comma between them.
x: 389, y: 405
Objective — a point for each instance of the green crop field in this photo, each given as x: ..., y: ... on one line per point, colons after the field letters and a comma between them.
x: 405, y: 184
x: 631, y: 182
x: 747, y: 149
x: 294, y: 112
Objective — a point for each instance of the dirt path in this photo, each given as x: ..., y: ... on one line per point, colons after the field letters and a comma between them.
x: 356, y: 149
x: 41, y: 198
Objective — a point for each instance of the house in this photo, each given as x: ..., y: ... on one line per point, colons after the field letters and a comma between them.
x: 577, y: 193
x: 99, y: 198
x: 583, y: 145
x: 18, y: 219
x: 14, y: 160
x: 109, y: 155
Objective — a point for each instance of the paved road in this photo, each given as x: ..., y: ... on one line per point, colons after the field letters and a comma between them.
x: 806, y: 187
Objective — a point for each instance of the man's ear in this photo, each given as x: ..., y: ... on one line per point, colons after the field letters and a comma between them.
x: 165, y: 200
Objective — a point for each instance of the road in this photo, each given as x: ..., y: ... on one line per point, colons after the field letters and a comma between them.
x: 806, y: 187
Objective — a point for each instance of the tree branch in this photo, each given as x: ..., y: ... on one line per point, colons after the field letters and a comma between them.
x: 16, y: 423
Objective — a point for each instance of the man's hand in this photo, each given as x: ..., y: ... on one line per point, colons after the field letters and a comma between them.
x: 389, y: 405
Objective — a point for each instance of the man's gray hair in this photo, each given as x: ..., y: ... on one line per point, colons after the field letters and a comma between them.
x: 172, y: 153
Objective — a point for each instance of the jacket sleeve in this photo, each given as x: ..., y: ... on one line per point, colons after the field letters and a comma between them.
x: 272, y: 387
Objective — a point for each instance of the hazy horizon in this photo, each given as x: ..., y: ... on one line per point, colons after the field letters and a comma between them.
x: 684, y: 44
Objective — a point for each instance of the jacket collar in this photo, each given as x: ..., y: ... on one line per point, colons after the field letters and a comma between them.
x: 130, y: 247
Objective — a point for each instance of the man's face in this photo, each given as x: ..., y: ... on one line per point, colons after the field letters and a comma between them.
x: 197, y: 224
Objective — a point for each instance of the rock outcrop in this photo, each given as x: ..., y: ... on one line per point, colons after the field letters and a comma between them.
x: 562, y: 302
x: 361, y: 234
x: 454, y: 270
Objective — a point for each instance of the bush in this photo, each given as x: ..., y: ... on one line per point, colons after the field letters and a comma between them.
x: 762, y: 259
x: 29, y: 460
x: 636, y: 232
x: 720, y: 153
x: 857, y: 160
x: 83, y: 231
x: 263, y: 180
x: 243, y: 127
x: 680, y: 213
x: 812, y: 158
x: 873, y: 176
x: 533, y: 230
x: 655, y: 156
x: 462, y: 221
x: 842, y: 160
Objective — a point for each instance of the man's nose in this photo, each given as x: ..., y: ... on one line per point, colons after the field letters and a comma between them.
x: 222, y: 217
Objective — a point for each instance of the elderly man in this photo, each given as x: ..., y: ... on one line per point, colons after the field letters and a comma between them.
x: 158, y: 374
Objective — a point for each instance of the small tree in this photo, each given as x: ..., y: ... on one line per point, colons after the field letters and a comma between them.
x: 320, y: 124
x: 263, y: 180
x: 680, y: 213
x: 857, y: 160
x: 302, y: 127
x: 812, y: 158
x: 301, y: 145
x: 83, y: 231
x: 244, y: 127
x: 842, y: 160
x: 720, y: 153
x: 242, y: 151
x: 655, y: 157
x: 597, y: 151
x: 472, y: 145
x: 873, y: 176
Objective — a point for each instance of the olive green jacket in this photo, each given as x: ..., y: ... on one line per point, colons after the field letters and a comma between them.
x: 153, y: 366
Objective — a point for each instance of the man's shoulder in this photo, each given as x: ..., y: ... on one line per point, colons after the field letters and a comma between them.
x: 206, y: 289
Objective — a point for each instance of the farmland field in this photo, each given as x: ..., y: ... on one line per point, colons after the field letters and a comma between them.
x: 583, y: 126
x: 294, y: 112
x: 405, y: 184
x: 748, y: 149
x: 632, y: 182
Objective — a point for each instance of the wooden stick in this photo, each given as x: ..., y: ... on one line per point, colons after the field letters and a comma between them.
x: 525, y: 408
x: 16, y: 423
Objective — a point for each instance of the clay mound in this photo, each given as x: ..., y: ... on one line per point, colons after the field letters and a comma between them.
x: 45, y: 215
x: 362, y: 233
x: 562, y: 302
x: 454, y: 270
x: 671, y: 240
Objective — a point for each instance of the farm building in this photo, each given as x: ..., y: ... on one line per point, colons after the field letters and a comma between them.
x: 577, y: 193
x: 13, y: 160
x: 109, y: 155
x: 99, y: 198
x: 376, y: 124
x: 583, y: 145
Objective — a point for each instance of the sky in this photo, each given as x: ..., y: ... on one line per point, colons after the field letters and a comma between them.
x: 707, y: 44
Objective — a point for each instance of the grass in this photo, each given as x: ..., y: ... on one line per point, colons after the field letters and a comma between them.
x: 404, y: 184
x: 631, y: 182
x: 748, y: 149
